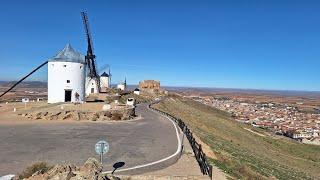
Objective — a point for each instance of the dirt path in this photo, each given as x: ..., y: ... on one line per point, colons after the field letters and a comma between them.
x: 254, y: 132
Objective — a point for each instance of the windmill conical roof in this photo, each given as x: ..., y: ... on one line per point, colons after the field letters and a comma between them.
x: 68, y: 54
x: 104, y: 74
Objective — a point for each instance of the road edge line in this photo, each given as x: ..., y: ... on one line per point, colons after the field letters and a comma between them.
x: 161, y: 160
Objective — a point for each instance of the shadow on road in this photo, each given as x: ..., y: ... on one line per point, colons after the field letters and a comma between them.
x: 117, y: 166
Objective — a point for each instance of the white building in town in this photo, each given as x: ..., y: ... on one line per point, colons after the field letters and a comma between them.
x: 66, y: 76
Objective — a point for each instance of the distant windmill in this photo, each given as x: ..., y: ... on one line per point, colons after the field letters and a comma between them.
x: 90, y: 57
x: 103, y: 70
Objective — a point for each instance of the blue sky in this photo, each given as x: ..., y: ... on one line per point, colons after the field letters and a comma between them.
x: 259, y: 44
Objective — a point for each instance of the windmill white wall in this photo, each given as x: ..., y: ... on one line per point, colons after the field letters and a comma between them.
x: 91, y: 86
x: 66, y: 76
x: 104, y: 80
x: 121, y: 86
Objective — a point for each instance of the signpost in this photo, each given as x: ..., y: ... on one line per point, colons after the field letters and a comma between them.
x: 102, y: 147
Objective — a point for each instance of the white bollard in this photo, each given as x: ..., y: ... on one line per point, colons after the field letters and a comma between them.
x: 14, y: 109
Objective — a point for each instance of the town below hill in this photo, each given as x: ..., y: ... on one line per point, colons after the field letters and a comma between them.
x: 292, y: 114
x: 240, y: 149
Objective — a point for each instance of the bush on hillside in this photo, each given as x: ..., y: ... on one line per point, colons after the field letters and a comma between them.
x: 41, y: 167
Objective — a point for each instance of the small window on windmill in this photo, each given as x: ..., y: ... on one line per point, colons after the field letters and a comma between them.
x: 80, y: 67
x: 92, y: 83
x: 68, y: 81
x: 64, y: 65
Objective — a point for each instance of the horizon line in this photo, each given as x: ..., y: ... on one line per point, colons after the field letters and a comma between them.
x: 205, y: 87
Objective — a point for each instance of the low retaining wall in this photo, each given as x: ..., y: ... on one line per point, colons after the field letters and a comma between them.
x: 116, y: 114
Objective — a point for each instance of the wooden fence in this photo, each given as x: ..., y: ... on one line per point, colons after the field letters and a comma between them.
x: 205, y: 167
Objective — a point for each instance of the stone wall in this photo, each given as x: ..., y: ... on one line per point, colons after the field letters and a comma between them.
x: 149, y: 84
x: 149, y: 87
x: 125, y: 113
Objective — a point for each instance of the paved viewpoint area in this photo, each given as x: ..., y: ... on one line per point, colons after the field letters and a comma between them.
x: 135, y: 142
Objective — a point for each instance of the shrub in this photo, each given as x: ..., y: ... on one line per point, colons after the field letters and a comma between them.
x: 41, y: 167
x: 108, y: 114
x: 116, y: 116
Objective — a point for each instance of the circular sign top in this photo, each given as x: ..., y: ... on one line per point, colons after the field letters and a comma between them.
x: 102, y: 147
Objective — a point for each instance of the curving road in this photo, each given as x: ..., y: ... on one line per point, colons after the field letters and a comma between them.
x: 136, y: 142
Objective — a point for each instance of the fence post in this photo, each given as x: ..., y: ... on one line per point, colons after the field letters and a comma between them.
x: 201, y: 159
x: 210, y: 172
x: 182, y: 142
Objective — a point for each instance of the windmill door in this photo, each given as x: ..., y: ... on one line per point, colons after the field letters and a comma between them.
x: 67, y: 95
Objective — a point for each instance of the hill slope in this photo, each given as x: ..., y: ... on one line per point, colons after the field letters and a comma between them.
x: 25, y: 84
x: 244, y: 151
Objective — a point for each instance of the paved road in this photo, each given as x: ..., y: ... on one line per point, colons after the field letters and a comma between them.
x: 135, y: 143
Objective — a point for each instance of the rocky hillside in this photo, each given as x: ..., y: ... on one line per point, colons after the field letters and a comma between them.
x: 25, y: 84
x: 91, y: 169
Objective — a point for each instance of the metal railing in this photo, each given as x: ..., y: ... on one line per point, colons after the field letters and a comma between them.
x: 205, y: 167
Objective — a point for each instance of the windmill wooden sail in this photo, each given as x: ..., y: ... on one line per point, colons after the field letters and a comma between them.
x: 90, y: 57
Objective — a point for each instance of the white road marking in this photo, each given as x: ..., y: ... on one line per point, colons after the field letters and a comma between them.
x: 161, y: 160
x: 7, y: 177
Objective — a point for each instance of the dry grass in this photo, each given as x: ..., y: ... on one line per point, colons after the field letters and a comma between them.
x: 241, y: 153
x: 41, y: 167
